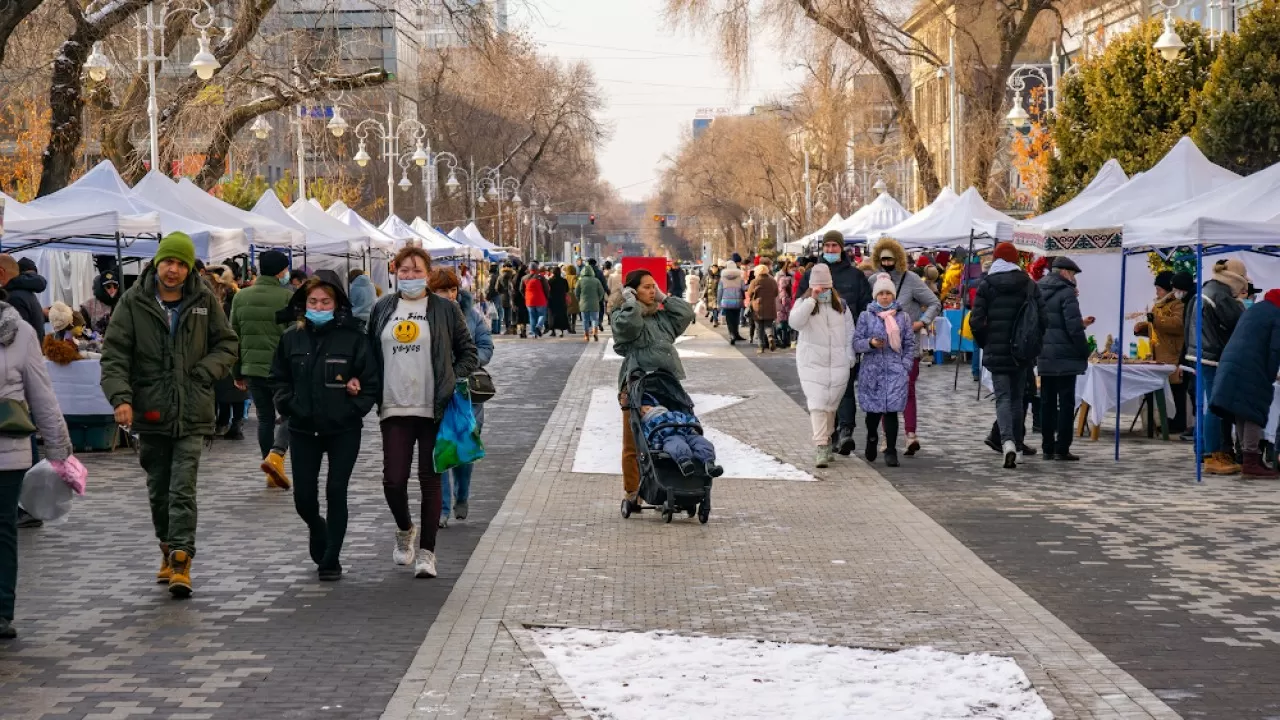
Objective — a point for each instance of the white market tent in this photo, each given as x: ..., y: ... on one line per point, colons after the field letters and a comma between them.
x: 1242, y: 212
x: 350, y: 240
x: 1029, y: 235
x: 817, y: 234
x: 951, y: 220
x: 474, y: 237
x: 270, y: 207
x: 437, y: 245
x: 160, y: 191
x: 880, y: 214
x: 265, y: 232
x: 378, y: 240
x: 24, y: 225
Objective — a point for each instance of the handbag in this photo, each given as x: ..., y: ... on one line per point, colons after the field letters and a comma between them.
x: 458, y: 439
x: 15, y: 419
x: 480, y: 386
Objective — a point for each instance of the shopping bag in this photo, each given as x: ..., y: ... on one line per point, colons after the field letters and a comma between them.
x: 73, y: 473
x: 458, y: 439
x: 45, y: 495
x: 965, y: 331
x: 700, y: 308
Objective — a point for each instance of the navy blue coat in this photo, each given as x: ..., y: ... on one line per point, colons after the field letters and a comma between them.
x: 1245, y: 382
x: 1066, y: 347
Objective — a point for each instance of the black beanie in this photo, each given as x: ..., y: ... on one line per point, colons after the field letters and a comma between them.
x: 273, y: 262
x: 1164, y: 280
x: 1183, y: 281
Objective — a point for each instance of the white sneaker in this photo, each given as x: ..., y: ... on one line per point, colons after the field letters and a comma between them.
x: 406, y: 544
x: 425, y: 566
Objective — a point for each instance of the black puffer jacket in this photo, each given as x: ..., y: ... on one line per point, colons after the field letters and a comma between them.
x: 1222, y: 310
x: 1244, y: 386
x: 1066, y: 347
x: 1000, y: 297
x: 848, y: 280
x: 313, y: 365
x: 23, y: 296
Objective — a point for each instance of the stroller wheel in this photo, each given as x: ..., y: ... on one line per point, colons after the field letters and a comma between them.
x: 667, y: 515
x: 626, y: 509
x: 693, y: 510
x: 704, y: 513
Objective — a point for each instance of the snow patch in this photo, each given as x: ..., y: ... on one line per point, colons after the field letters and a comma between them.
x: 638, y: 676
x: 600, y: 441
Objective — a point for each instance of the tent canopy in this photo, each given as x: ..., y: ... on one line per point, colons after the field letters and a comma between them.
x: 378, y: 240
x: 1110, y: 177
x: 263, y: 230
x: 270, y: 207
x: 880, y: 214
x: 817, y: 234
x: 952, y: 220
x: 437, y: 245
x: 158, y: 190
x: 1243, y: 212
x: 349, y: 239
x: 25, y: 225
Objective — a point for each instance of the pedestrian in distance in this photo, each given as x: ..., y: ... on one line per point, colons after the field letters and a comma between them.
x: 764, y: 306
x: 168, y: 343
x: 423, y: 347
x: 590, y: 292
x: 884, y: 338
x: 855, y: 292
x: 1220, y: 301
x: 914, y: 296
x: 1063, y: 358
x: 455, y: 484
x: 23, y: 285
x: 711, y: 295
x: 729, y: 298
x: 255, y: 319
x: 297, y: 278
x: 229, y: 422
x: 572, y: 274
x: 363, y: 294
x: 1008, y: 322
x: 325, y: 380
x: 536, y: 292
x: 646, y: 323
x: 96, y: 311
x: 26, y: 380
x: 557, y: 302
x: 1165, y: 325
x: 1245, y: 382
x: 824, y: 355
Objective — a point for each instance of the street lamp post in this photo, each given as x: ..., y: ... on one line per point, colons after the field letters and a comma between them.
x: 1169, y: 44
x: 390, y: 136
x: 536, y: 196
x: 1018, y: 117
x: 497, y: 191
x: 823, y: 193
x: 204, y: 64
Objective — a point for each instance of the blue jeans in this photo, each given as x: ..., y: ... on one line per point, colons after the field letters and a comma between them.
x: 590, y: 320
x: 538, y: 319
x: 975, y: 364
x: 1211, y: 425
x: 456, y: 483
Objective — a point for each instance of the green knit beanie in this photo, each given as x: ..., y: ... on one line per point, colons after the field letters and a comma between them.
x: 177, y: 245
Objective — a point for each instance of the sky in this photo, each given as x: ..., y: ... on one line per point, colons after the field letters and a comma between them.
x: 655, y: 79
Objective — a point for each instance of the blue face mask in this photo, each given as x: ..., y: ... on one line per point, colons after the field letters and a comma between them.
x: 824, y: 296
x: 319, y: 317
x: 1248, y: 303
x: 413, y: 288
x: 831, y: 257
x: 284, y: 280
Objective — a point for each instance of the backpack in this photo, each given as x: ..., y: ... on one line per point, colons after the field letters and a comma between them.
x: 1026, y: 339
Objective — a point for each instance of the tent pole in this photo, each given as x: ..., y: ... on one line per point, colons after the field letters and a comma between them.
x: 1120, y: 349
x: 1200, y: 384
x: 119, y: 260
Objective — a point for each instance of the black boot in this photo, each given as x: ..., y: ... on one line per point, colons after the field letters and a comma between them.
x: 235, y: 431
x: 873, y: 447
x: 845, y: 444
x: 891, y: 457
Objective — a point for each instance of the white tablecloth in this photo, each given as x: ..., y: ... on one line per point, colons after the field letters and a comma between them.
x: 1097, y: 386
x: 942, y: 334
x: 77, y: 387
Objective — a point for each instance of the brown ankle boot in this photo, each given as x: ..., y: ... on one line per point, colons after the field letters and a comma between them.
x: 165, y: 571
x: 1253, y: 467
x: 180, y: 577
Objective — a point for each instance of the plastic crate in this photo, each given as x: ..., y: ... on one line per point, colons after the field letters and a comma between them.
x: 91, y: 433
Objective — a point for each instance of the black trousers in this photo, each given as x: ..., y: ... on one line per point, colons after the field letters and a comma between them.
x: 847, y: 413
x: 1058, y: 413
x: 731, y: 318
x: 1178, y: 422
x: 890, y: 429
x: 763, y: 329
x: 307, y: 452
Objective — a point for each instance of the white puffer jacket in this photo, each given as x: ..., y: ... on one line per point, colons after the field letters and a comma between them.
x: 824, y: 353
x: 24, y: 377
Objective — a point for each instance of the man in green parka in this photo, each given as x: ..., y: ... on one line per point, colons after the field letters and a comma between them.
x: 167, y: 344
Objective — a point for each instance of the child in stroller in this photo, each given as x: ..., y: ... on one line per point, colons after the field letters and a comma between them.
x: 678, y: 434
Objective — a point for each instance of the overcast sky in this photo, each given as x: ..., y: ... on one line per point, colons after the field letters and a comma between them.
x: 654, y: 79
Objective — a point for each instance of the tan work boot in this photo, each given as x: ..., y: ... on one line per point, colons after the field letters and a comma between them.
x: 1221, y: 463
x: 180, y: 574
x: 162, y: 575
x: 273, y: 466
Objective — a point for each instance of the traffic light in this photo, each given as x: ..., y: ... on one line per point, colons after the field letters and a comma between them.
x: 661, y: 220
x: 592, y: 218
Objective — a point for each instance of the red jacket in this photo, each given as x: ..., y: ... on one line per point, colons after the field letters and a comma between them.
x: 535, y: 291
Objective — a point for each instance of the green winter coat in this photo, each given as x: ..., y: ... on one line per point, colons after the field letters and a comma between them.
x: 253, y: 318
x: 646, y: 338
x: 167, y: 377
x: 589, y: 291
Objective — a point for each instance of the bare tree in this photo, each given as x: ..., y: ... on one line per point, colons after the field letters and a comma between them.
x: 12, y: 13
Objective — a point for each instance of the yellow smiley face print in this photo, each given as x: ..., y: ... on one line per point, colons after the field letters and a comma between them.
x: 405, y: 331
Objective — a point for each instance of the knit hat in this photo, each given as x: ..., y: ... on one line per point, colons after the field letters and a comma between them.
x: 820, y: 275
x: 1183, y: 281
x: 883, y: 283
x: 1006, y: 251
x: 60, y: 316
x: 178, y: 246
x: 1233, y: 273
x: 737, y: 258
x: 273, y: 262
x: 832, y: 236
x: 762, y: 269
x: 1164, y: 280
x: 26, y: 265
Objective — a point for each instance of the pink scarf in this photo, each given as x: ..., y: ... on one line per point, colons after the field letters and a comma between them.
x: 891, y: 328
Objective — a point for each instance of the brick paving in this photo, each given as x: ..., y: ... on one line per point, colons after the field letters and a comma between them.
x: 261, y: 638
x: 1174, y: 582
x: 847, y: 560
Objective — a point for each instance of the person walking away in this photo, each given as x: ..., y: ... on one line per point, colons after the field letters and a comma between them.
x: 1219, y: 301
x: 855, y: 292
x: 464, y: 277
x: 1165, y: 328
x: 168, y: 343
x: 824, y: 354
x: 96, y: 311
x: 23, y: 289
x: 646, y: 323
x: 914, y: 296
x: 229, y: 420
x: 786, y: 300
x: 557, y: 302
x: 998, y: 319
x: 764, y: 304
x: 255, y: 319
x: 589, y: 293
x: 693, y: 287
x: 325, y: 380
x: 612, y: 283
x: 1063, y: 358
x: 536, y: 292
x: 1245, y: 381
x: 729, y: 299
x: 571, y: 276
x: 455, y: 485
x: 423, y: 347
x: 26, y: 380
x: 363, y: 295
x: 517, y: 299
x: 887, y: 343
x: 675, y: 279
x: 711, y: 294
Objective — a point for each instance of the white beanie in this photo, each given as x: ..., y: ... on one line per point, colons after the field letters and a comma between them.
x: 883, y: 283
x: 60, y: 316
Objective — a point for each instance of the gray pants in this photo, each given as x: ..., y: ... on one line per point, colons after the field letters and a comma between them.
x: 1250, y: 436
x: 1009, y: 389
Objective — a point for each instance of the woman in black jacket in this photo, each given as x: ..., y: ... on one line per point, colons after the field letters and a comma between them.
x: 325, y: 380
x: 558, y: 302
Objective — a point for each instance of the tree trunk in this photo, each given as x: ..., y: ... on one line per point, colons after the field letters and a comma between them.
x: 66, y: 106
x: 12, y: 14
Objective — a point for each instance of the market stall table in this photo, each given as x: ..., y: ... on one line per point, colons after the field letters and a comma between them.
x: 90, y: 418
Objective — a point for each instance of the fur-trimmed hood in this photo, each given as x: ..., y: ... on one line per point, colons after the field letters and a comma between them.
x: 899, y: 254
x: 9, y: 319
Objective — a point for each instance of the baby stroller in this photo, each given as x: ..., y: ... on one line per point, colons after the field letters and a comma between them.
x: 662, y: 485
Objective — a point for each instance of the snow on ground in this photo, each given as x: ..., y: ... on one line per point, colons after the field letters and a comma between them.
x: 600, y: 441
x: 639, y: 676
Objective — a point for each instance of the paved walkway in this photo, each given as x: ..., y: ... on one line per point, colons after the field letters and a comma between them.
x: 847, y: 560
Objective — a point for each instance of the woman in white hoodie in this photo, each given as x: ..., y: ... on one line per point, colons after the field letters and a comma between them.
x: 824, y: 354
